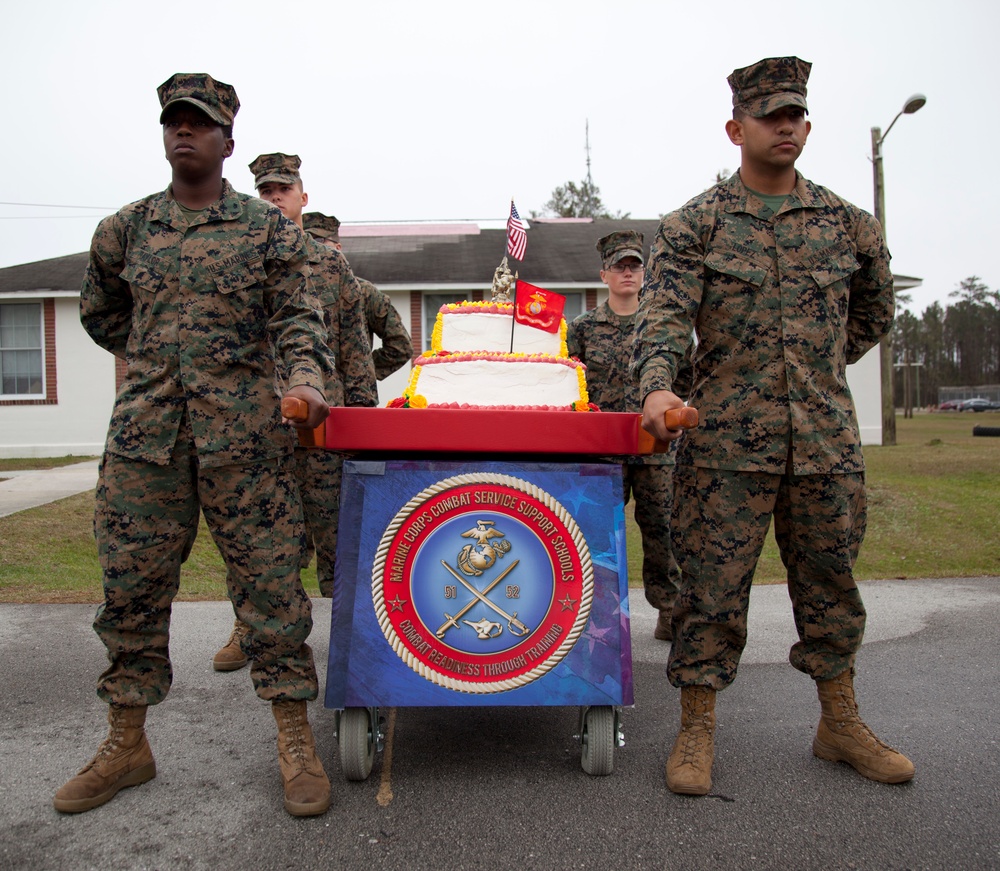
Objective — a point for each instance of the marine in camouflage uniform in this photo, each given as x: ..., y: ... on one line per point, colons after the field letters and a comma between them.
x: 319, y: 472
x: 384, y: 321
x: 783, y: 283
x: 340, y: 298
x: 199, y: 290
x: 602, y: 339
x: 380, y: 314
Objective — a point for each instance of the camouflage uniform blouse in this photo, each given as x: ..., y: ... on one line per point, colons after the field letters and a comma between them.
x: 780, y: 304
x: 199, y: 315
x: 384, y: 321
x: 340, y: 299
x: 602, y: 341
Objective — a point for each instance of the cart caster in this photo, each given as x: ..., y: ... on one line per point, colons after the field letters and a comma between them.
x: 599, y: 735
x: 358, y: 736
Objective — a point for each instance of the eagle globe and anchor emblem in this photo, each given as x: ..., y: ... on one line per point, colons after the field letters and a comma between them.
x: 537, y: 304
x: 474, y: 559
x: 496, y: 612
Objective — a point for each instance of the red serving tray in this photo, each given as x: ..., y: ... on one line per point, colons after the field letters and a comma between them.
x: 449, y: 431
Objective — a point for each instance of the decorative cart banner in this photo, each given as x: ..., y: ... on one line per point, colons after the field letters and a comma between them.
x: 480, y: 583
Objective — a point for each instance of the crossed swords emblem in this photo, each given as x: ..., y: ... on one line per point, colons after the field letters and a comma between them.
x: 484, y: 628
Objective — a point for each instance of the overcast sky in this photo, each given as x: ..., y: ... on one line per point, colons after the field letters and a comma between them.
x: 445, y: 110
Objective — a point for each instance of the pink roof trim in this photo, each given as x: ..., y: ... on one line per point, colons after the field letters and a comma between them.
x: 409, y: 229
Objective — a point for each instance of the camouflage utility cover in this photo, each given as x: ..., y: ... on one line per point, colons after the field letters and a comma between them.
x: 199, y: 314
x: 780, y: 304
x: 619, y: 245
x: 216, y: 99
x: 322, y: 226
x: 277, y: 167
x: 769, y: 84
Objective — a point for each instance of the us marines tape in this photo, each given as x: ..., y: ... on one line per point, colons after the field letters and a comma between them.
x: 482, y: 583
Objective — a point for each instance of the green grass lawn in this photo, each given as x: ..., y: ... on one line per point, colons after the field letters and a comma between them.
x: 35, y: 463
x: 934, y: 503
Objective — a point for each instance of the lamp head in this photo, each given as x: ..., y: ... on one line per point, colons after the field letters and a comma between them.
x: 914, y: 103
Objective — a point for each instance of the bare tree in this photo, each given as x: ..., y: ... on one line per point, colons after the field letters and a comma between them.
x: 581, y: 200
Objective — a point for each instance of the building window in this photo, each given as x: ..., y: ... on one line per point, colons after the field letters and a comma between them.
x: 21, y: 351
x: 432, y: 304
x: 574, y: 306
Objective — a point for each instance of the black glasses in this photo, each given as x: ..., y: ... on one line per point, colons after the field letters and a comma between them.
x: 621, y: 267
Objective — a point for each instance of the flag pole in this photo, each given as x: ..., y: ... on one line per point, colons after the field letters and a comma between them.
x: 517, y: 243
x: 506, y: 238
x: 508, y: 250
x: 513, y: 316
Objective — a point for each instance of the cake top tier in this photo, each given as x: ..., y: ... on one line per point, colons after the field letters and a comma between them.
x: 490, y: 326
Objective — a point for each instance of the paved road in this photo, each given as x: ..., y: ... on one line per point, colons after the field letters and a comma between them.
x: 489, y: 788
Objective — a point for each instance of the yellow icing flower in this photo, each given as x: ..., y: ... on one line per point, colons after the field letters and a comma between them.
x: 418, y: 401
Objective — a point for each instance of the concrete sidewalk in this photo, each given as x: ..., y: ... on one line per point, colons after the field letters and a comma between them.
x: 499, y: 787
x: 30, y: 488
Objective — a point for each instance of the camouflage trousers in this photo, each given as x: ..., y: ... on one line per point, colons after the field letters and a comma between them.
x: 319, y: 474
x: 651, y: 487
x: 145, y: 520
x: 719, y: 524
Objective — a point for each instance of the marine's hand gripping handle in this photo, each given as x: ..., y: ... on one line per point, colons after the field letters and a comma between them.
x: 294, y: 409
x: 297, y: 410
x: 684, y: 417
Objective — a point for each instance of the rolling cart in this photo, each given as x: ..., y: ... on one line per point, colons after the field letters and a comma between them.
x: 480, y: 562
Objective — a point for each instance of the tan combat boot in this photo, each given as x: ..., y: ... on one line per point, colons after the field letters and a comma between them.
x: 842, y: 735
x: 307, y: 788
x: 231, y: 656
x: 123, y: 759
x: 689, y: 768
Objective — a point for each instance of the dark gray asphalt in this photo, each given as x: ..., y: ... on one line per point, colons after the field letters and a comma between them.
x: 490, y: 788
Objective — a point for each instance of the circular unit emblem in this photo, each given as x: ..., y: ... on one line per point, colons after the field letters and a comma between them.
x: 482, y: 583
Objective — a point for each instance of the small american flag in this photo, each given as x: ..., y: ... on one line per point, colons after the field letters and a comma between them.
x: 517, y: 239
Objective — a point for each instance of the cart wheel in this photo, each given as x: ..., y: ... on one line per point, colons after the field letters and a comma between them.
x: 598, y: 739
x: 357, y: 743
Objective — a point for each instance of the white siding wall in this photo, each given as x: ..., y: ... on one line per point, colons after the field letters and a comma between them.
x: 865, y: 380
x: 395, y: 384
x: 78, y: 423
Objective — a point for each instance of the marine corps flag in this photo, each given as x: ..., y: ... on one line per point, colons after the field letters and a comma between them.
x: 538, y: 308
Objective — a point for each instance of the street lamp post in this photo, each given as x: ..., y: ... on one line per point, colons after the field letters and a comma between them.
x: 885, y: 346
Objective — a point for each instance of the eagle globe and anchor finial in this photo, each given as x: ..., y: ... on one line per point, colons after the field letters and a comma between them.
x: 503, y: 282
